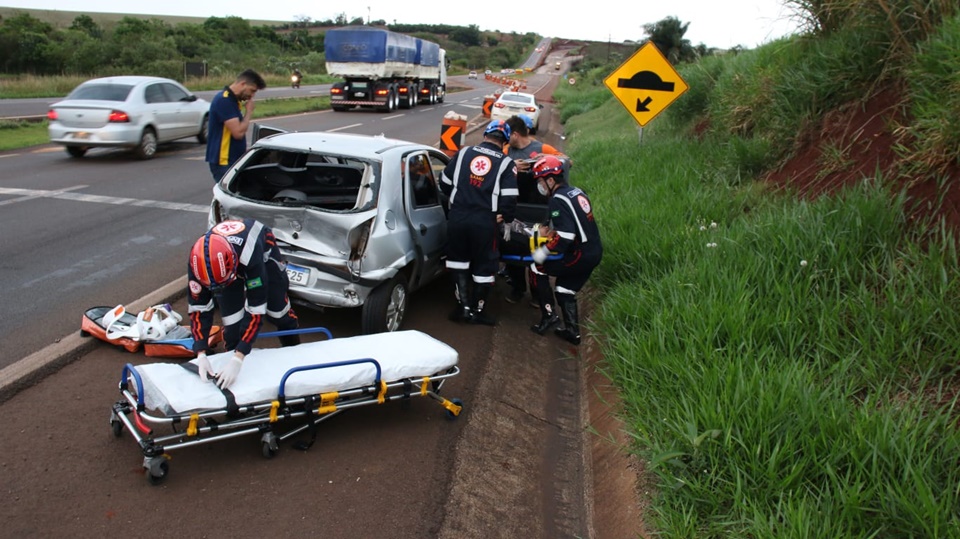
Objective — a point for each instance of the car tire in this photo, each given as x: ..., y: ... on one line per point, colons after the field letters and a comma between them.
x: 147, y: 147
x: 385, y: 307
x: 204, y: 126
x: 77, y: 151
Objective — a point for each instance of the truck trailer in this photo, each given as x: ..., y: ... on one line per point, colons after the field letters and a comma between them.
x: 383, y: 69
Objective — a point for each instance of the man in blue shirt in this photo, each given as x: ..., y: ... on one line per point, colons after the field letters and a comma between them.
x: 227, y: 133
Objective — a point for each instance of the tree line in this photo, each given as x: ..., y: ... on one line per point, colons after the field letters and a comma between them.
x: 227, y: 45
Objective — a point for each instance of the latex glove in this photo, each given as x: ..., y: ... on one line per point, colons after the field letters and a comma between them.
x: 506, y: 232
x: 540, y: 254
x: 228, y: 375
x: 203, y: 366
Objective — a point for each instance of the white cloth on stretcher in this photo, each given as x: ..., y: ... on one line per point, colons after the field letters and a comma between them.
x: 172, y: 389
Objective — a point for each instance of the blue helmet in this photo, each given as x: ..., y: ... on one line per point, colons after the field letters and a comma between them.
x: 498, y: 127
x: 526, y: 120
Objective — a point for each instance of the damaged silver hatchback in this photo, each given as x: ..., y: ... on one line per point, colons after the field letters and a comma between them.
x: 361, y: 219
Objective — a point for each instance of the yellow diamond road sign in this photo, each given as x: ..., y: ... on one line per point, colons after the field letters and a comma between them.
x: 646, y: 84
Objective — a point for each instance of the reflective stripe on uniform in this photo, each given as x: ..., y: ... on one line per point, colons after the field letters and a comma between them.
x: 200, y: 308
x: 454, y: 265
x: 281, y: 313
x: 251, y: 243
x: 233, y: 318
x: 576, y: 217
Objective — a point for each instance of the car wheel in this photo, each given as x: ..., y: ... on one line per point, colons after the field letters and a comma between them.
x: 148, y: 144
x: 202, y: 135
x: 534, y: 129
x: 384, y: 309
x: 76, y: 151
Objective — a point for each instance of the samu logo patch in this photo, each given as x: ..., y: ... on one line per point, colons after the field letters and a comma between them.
x: 254, y: 283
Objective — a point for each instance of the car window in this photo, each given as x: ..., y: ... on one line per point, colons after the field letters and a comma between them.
x: 102, y: 92
x: 422, y: 182
x: 154, y: 94
x: 174, y: 93
x: 513, y: 98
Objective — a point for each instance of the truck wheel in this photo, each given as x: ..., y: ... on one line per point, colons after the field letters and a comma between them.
x: 384, y: 309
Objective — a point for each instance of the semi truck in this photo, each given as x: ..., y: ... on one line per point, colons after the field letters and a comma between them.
x: 383, y: 70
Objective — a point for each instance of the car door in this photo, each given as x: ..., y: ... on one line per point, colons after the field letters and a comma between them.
x: 428, y: 220
x: 164, y: 113
x: 187, y: 116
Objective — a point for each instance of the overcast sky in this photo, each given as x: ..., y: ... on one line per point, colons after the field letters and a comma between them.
x: 715, y: 23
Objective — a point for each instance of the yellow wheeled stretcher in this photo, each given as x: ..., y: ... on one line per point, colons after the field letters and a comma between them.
x: 311, y: 381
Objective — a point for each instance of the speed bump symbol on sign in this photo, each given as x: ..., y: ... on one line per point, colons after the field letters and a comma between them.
x: 646, y: 84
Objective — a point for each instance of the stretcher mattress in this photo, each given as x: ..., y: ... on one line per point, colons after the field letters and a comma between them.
x: 172, y: 389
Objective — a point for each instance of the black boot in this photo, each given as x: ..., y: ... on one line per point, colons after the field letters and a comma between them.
x: 479, y: 316
x: 570, y: 331
x: 544, y: 294
x: 289, y: 340
x: 462, y: 312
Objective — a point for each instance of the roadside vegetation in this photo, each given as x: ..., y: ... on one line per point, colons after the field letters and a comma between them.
x: 44, y: 55
x: 788, y: 365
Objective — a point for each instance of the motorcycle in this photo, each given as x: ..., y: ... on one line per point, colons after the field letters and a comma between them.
x: 295, y: 81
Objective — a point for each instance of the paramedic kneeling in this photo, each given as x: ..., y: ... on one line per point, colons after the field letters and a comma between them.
x: 572, y: 233
x: 238, y: 264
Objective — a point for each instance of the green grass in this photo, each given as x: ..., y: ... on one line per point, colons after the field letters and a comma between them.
x: 788, y: 367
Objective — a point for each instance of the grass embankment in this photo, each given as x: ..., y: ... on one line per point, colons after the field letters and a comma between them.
x: 788, y: 368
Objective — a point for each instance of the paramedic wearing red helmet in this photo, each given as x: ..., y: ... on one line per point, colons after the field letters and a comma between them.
x: 574, y: 234
x: 239, y: 264
x: 480, y: 182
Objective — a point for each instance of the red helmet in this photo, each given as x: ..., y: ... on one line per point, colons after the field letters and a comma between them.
x: 547, y: 165
x: 213, y: 261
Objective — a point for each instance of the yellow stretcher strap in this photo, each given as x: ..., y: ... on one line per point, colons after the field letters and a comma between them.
x: 274, y: 406
x: 423, y: 386
x: 382, y: 395
x: 451, y: 407
x: 192, y: 426
x: 328, y: 402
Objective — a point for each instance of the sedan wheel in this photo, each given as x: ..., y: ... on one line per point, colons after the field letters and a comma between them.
x: 384, y: 309
x: 148, y: 145
x: 76, y: 151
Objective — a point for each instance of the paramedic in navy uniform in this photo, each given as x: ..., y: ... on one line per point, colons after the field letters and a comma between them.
x: 573, y: 233
x: 228, y: 121
x: 480, y: 182
x: 239, y: 263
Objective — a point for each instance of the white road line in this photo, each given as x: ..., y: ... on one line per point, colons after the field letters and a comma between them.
x: 351, y: 126
x: 9, y: 155
x: 392, y: 117
x: 63, y: 194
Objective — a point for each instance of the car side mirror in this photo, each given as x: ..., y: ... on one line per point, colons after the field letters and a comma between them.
x: 189, y: 99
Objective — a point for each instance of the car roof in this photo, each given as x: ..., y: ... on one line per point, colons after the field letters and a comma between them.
x: 346, y: 144
x: 520, y: 94
x: 127, y: 79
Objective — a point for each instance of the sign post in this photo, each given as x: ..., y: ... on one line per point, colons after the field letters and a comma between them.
x: 646, y: 84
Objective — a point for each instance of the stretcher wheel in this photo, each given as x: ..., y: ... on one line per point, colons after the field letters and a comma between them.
x: 267, y: 451
x: 158, y: 472
x: 450, y: 415
x: 117, y: 427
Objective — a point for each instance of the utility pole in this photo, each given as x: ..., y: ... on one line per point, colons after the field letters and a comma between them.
x: 368, y: 15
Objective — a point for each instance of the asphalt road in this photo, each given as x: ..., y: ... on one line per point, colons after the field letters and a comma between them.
x: 515, y: 464
x: 107, y: 229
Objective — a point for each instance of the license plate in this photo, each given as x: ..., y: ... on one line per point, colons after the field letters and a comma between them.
x: 298, y: 274
x: 361, y: 94
x: 83, y: 135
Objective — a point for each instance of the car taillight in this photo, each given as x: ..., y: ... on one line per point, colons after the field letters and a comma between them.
x: 403, y: 89
x: 499, y: 105
x: 117, y: 116
x: 51, y: 114
x: 530, y: 109
x: 336, y: 91
x: 382, y: 92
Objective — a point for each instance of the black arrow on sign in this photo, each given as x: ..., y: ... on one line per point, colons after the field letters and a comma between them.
x: 642, y: 105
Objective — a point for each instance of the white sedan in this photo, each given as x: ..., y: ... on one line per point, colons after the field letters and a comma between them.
x: 131, y: 112
x: 514, y: 104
